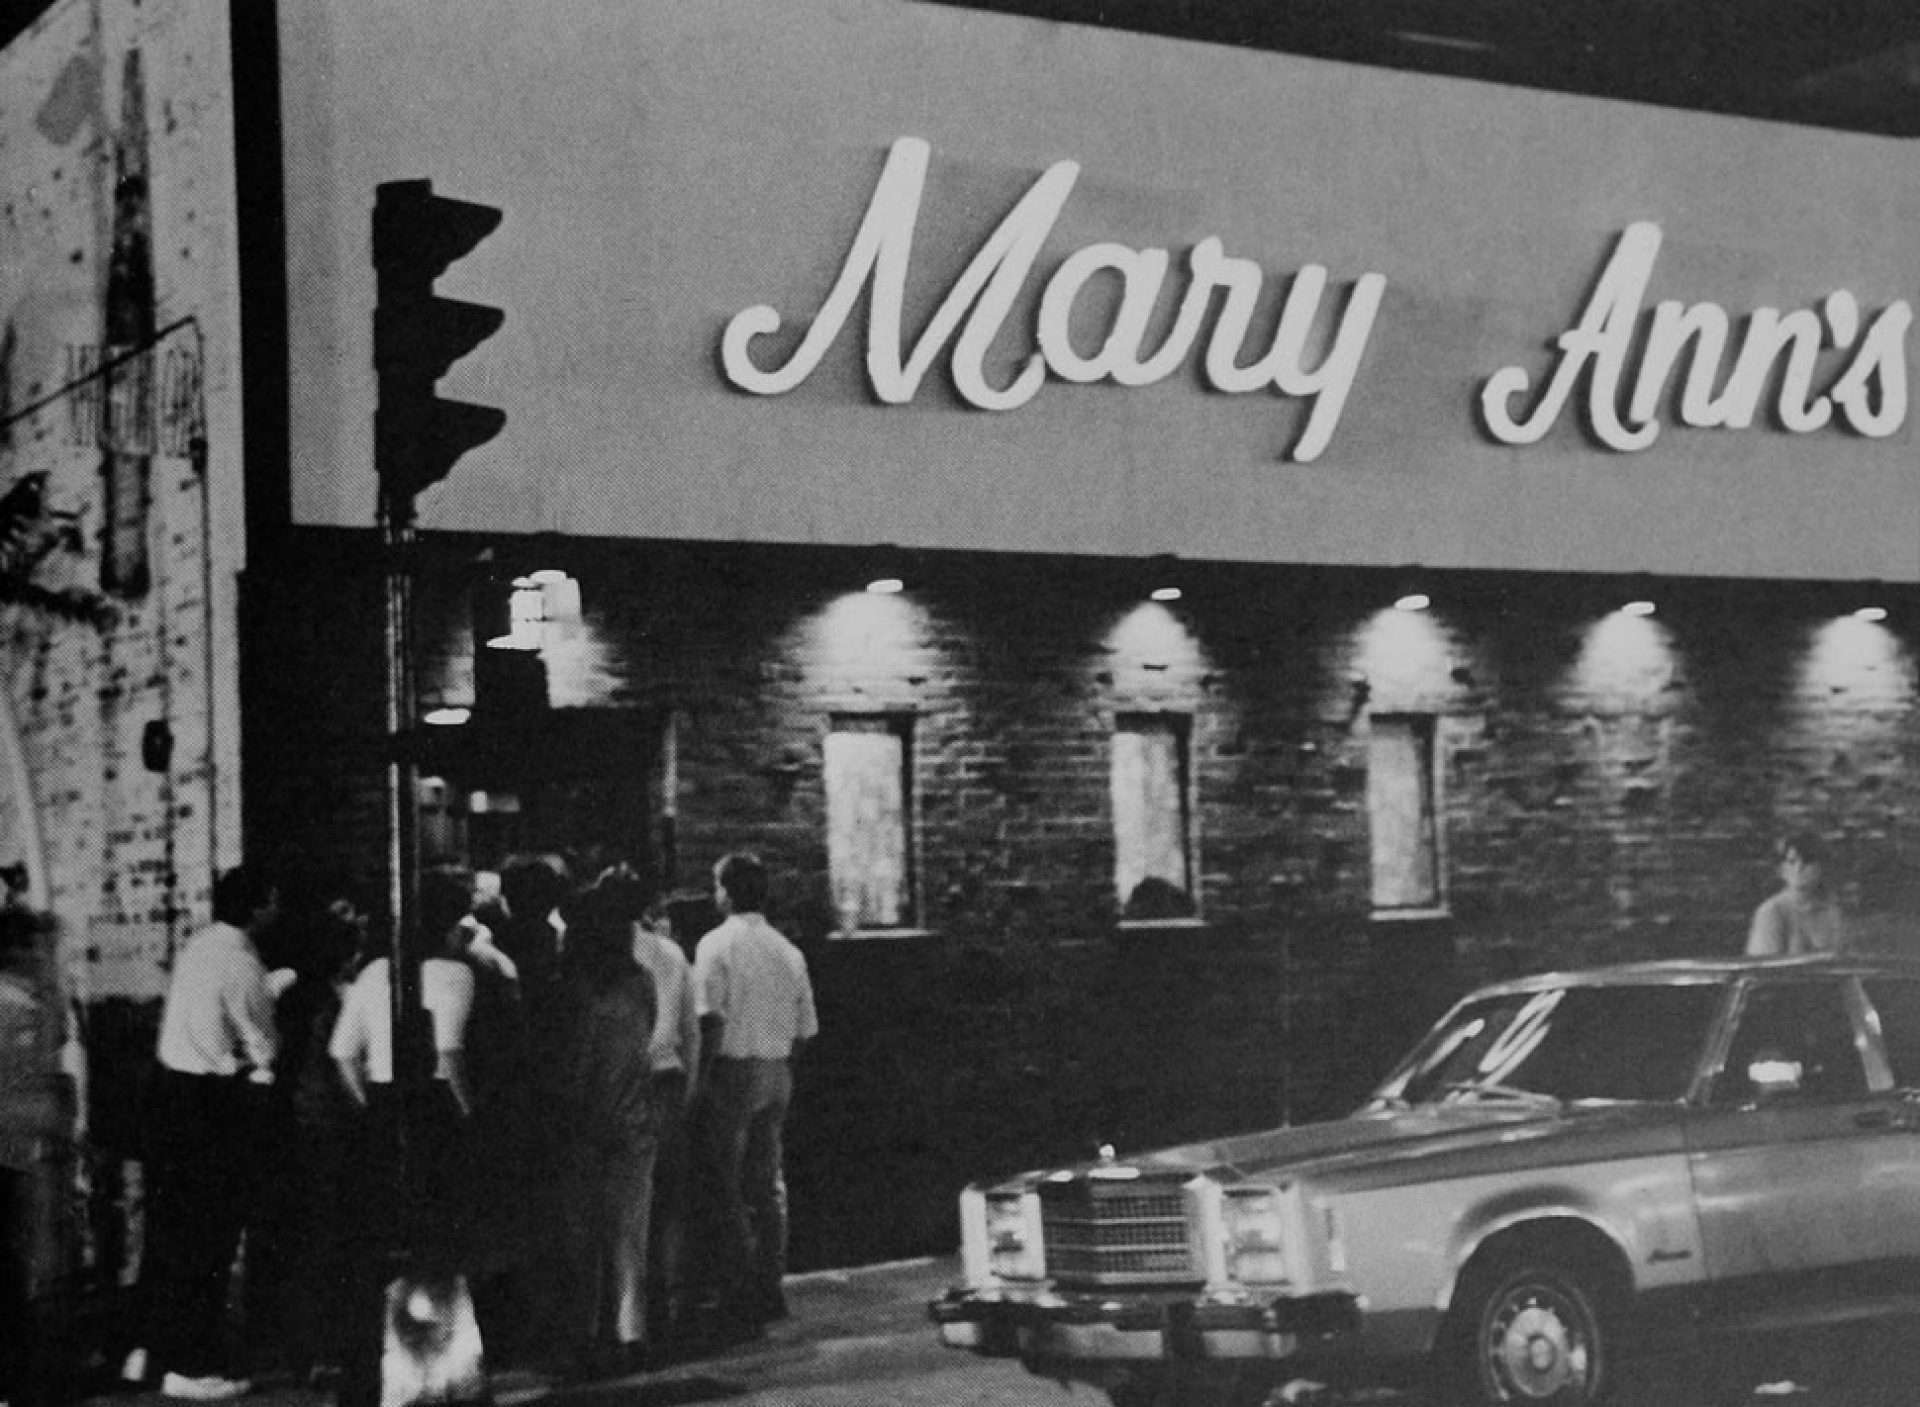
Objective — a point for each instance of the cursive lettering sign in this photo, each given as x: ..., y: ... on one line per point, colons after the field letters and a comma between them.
x: 976, y: 307
x: 1870, y: 393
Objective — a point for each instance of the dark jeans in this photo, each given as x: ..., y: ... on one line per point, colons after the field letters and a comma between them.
x: 202, y: 1136
x: 737, y: 1144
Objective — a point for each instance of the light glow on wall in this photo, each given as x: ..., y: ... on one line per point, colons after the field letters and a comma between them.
x: 1854, y: 657
x: 1152, y: 637
x: 1404, y: 653
x: 1625, y: 654
x: 868, y: 632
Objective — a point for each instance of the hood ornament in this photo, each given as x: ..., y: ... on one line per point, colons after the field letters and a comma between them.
x: 1110, y: 1168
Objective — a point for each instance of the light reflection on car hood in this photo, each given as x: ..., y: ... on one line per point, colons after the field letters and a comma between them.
x: 1376, y: 1146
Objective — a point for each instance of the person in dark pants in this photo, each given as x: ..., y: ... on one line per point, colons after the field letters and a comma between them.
x: 756, y: 1015
x: 608, y: 1139
x: 216, y: 1056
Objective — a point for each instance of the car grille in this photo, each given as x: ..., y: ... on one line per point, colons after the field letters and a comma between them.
x: 1116, y: 1233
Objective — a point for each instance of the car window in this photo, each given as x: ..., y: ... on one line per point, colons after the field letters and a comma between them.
x: 1798, y: 1038
x: 1626, y: 1042
x: 1898, y: 1003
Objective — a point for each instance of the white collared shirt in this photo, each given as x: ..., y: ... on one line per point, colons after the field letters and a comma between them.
x: 676, y: 1029
x: 749, y: 975
x: 218, y: 1017
x: 363, y: 1032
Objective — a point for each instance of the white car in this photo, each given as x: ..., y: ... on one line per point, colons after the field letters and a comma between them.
x: 1568, y: 1169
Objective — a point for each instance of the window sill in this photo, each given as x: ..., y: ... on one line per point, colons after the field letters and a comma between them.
x: 1158, y: 925
x: 1410, y: 915
x: 878, y: 935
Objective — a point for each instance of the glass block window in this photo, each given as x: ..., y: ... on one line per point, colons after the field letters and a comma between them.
x: 869, y: 820
x: 1152, y: 823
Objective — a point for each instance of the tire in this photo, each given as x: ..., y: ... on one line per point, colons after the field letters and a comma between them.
x: 1527, y: 1334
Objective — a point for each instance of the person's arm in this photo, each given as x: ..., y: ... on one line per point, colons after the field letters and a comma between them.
x: 710, y: 1002
x: 450, y: 1019
x: 690, y: 1043
x: 348, y: 1043
x: 453, y: 1069
x: 247, y: 998
x: 807, y: 1019
x: 1768, y: 936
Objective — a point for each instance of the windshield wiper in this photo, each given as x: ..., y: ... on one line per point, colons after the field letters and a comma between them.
x: 1493, y: 1089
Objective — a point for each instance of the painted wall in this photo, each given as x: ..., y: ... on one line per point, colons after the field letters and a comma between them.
x: 120, y: 487
x: 116, y: 235
x: 665, y: 167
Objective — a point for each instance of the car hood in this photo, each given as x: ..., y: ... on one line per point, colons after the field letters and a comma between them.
x: 1390, y: 1145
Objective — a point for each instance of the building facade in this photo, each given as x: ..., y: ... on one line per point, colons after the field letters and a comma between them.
x: 1180, y: 558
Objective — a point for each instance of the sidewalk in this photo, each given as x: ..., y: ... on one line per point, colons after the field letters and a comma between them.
x: 835, y: 1314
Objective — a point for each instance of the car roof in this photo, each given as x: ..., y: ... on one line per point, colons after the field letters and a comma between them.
x: 1689, y: 971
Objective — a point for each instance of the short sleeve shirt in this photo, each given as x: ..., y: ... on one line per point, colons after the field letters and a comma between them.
x: 749, y: 975
x: 218, y: 1017
x: 364, y: 1030
x: 676, y: 1030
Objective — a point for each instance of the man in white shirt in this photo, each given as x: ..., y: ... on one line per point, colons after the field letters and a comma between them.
x: 756, y: 1015
x: 675, y: 1057
x: 216, y: 1050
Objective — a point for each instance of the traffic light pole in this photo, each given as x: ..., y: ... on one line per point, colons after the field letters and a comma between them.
x: 417, y: 437
x: 399, y: 552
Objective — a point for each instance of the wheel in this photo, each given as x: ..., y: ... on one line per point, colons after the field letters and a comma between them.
x: 1528, y: 1334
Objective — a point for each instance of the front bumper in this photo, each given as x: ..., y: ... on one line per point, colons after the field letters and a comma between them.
x: 1048, y: 1327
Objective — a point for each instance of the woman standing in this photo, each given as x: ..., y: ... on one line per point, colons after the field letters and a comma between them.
x: 610, y: 1124
x: 1805, y: 916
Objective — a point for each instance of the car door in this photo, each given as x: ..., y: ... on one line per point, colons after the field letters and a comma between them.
x: 1781, y: 1150
x: 1893, y: 1167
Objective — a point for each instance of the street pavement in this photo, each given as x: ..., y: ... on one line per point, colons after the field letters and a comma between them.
x: 844, y: 1325
x: 861, y: 1338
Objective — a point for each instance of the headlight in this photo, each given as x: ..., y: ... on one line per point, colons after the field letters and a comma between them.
x: 1014, y: 1251
x: 1253, y: 1222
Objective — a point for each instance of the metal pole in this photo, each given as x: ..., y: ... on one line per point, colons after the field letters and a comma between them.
x: 399, y: 545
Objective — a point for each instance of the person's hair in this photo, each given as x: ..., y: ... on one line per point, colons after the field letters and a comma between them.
x: 1809, y: 847
x: 599, y: 936
x: 531, y: 886
x: 745, y: 880
x: 238, y: 892
x: 626, y: 894
x: 446, y: 897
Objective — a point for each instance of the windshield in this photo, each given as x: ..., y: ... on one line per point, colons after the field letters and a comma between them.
x: 1566, y: 1043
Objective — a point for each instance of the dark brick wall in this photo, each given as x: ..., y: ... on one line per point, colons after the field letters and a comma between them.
x: 1599, y: 804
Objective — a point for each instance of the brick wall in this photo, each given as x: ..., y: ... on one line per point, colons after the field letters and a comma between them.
x: 1609, y: 791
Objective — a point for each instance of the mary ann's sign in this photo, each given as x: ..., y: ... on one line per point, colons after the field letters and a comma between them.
x: 1061, y: 289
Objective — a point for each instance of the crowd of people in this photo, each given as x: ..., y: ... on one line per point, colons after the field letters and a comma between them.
x: 575, y: 1129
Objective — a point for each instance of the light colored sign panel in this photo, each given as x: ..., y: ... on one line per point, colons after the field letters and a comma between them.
x: 850, y: 271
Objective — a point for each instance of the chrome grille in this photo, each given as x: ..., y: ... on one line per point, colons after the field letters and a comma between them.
x: 1116, y: 1233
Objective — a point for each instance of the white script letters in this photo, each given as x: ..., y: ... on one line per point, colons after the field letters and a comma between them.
x: 1870, y: 393
x: 978, y: 303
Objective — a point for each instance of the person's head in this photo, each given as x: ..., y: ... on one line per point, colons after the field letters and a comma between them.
x: 1803, y: 861
x: 740, y: 882
x: 446, y: 897
x: 599, y: 935
x: 624, y: 892
x: 532, y: 887
x: 245, y: 898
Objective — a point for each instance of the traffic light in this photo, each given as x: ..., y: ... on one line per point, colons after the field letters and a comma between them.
x: 417, y: 337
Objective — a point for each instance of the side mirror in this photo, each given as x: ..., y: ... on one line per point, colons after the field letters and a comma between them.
x: 1771, y: 1074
